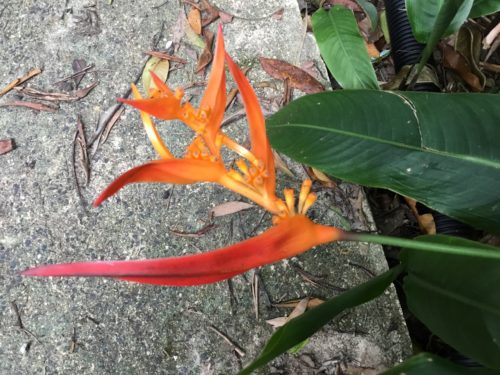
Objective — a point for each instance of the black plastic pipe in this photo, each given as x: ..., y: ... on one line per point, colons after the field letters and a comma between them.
x: 406, y: 51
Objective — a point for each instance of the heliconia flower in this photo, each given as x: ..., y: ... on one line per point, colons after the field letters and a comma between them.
x: 292, y: 233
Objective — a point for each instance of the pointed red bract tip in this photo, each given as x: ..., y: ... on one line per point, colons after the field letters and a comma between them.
x: 289, y: 238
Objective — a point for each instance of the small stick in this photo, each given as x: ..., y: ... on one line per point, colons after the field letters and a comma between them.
x: 236, y: 348
x: 30, y: 105
x: 18, y: 81
x: 19, y: 322
x: 76, y: 74
x: 196, y: 234
x: 166, y: 56
x: 255, y: 294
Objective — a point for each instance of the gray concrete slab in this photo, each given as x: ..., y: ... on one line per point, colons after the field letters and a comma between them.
x: 95, y: 326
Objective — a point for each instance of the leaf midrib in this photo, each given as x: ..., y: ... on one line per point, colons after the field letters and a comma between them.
x: 474, y: 159
x: 455, y: 296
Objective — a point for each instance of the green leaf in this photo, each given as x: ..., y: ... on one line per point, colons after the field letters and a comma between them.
x: 343, y: 48
x: 305, y: 325
x: 484, y: 7
x: 424, y: 14
x: 452, y: 14
x: 430, y: 364
x: 370, y: 11
x: 440, y: 149
x: 457, y: 297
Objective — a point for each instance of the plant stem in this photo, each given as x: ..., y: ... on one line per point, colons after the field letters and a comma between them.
x: 426, y: 243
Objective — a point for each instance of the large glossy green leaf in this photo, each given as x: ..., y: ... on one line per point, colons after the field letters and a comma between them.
x: 304, y: 326
x: 440, y: 149
x: 343, y: 48
x: 484, y: 7
x: 457, y: 297
x: 424, y: 14
x: 451, y: 15
x: 429, y: 364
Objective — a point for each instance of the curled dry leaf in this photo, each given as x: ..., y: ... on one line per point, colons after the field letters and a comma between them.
x: 225, y: 17
x: 281, y: 165
x: 56, y: 96
x: 211, y: 11
x: 194, y: 19
x: 456, y: 62
x: 323, y: 179
x: 299, y: 309
x: 297, y: 78
x: 491, y: 37
x: 278, y: 15
x: 31, y: 105
x: 6, y: 145
x: 229, y: 208
x: 206, y: 55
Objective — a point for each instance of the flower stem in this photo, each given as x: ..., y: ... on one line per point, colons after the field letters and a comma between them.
x: 427, y: 244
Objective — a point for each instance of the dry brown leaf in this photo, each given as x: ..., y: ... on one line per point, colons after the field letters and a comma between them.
x: 313, y: 302
x: 18, y: 81
x: 31, y: 105
x: 372, y: 50
x: 317, y: 175
x: 278, y: 15
x: 229, y: 208
x: 349, y: 4
x: 206, y: 55
x: 425, y: 221
x: 225, y: 17
x: 281, y: 165
x: 194, y: 19
x: 166, y: 56
x: 299, y: 309
x: 213, y: 13
x: 456, y: 62
x: 297, y: 78
x: 6, y: 145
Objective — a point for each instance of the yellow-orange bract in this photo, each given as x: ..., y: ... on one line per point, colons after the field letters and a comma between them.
x: 255, y: 179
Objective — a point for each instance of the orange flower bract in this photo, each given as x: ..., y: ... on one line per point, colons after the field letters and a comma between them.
x: 292, y: 233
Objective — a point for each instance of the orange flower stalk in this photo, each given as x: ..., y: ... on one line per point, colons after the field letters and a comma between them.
x: 292, y: 234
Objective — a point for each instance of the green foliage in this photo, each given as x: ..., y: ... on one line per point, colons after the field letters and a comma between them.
x: 456, y: 297
x: 305, y: 325
x: 484, y: 7
x: 424, y: 16
x: 343, y: 48
x: 439, y: 149
x: 429, y: 364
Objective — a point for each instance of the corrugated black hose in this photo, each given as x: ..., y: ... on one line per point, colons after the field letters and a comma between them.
x: 406, y: 51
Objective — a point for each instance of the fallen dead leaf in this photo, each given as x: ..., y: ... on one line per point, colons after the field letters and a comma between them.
x: 31, y: 105
x: 18, y: 81
x: 213, y: 13
x: 206, y: 55
x: 194, y: 20
x: 456, y: 62
x: 281, y: 165
x: 313, y: 302
x: 56, y: 96
x: 6, y: 145
x: 299, y: 309
x: 158, y: 66
x: 349, y: 4
x: 425, y: 221
x: 278, y: 15
x: 225, y: 17
x: 297, y: 78
x: 229, y: 208
x: 372, y: 50
x: 166, y: 56
x: 323, y: 179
